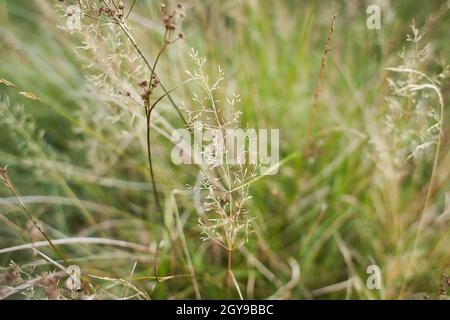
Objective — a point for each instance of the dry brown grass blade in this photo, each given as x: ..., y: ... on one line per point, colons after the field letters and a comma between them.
x: 318, y: 88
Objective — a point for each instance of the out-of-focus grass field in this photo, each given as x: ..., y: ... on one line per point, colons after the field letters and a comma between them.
x: 78, y: 157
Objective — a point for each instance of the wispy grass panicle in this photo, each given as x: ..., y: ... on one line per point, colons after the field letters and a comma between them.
x: 224, y: 184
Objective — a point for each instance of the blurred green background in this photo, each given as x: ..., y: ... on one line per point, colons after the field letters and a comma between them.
x: 78, y: 155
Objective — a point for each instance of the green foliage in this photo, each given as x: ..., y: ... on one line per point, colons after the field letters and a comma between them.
x: 368, y: 190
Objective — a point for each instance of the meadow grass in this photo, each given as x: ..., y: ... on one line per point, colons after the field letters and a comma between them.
x: 360, y: 184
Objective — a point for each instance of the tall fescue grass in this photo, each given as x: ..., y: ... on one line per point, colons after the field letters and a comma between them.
x: 364, y: 150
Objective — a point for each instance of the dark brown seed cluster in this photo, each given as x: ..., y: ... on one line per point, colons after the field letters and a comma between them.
x: 116, y: 12
x: 148, y: 89
x: 171, y: 21
x: 104, y: 10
